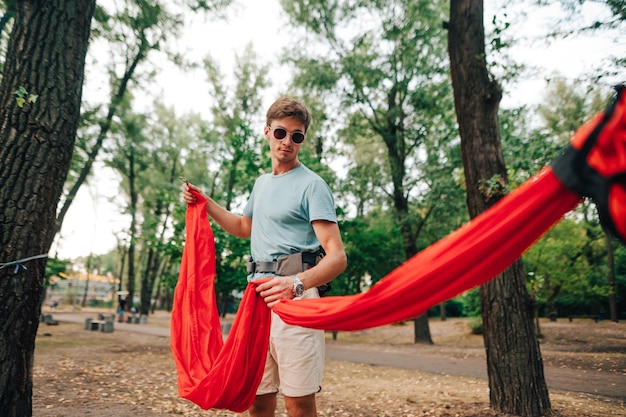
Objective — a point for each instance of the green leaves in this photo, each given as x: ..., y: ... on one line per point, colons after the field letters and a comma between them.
x: 24, y: 98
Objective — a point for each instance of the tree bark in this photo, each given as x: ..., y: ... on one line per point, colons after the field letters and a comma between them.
x: 515, y: 368
x: 46, y: 57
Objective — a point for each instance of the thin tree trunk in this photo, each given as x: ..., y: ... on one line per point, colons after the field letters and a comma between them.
x: 442, y: 311
x: 146, y: 281
x: 514, y: 365
x: 46, y: 58
x: 610, y: 259
x: 133, y: 228
x: 396, y: 153
x: 83, y: 302
x: 155, y: 260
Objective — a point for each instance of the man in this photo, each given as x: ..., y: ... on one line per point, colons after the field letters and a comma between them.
x: 290, y: 211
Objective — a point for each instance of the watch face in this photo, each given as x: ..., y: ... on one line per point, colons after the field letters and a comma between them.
x: 298, y: 286
x: 299, y: 290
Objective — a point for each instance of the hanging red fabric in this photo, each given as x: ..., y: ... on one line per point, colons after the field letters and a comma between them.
x: 217, y: 375
x: 211, y: 373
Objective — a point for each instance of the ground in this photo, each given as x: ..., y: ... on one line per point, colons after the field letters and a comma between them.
x: 87, y: 373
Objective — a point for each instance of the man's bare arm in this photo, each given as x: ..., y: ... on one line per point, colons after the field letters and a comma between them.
x: 237, y: 225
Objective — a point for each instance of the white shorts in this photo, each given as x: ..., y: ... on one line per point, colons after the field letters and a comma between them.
x: 295, y: 358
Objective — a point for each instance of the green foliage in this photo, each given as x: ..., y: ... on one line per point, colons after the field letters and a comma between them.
x: 618, y: 7
x: 148, y: 154
x: 375, y: 75
x: 231, y: 270
x: 526, y: 150
x: 567, y: 270
x: 55, y: 267
x: 226, y: 160
x: 470, y: 302
x: 476, y: 326
x: 565, y: 108
x: 495, y: 186
x: 498, y: 42
x: 567, y: 267
x: 214, y: 6
x: 373, y: 247
x: 389, y: 79
x: 453, y: 308
x: 24, y: 98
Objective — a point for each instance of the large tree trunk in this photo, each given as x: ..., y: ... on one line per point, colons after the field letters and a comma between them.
x: 45, y: 56
x: 515, y: 368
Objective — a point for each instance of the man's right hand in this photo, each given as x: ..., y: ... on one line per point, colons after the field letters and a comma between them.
x: 188, y: 196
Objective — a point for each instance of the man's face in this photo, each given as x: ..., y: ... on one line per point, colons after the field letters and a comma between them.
x: 291, y: 130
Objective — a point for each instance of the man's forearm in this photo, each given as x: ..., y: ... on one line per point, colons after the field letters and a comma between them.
x: 331, y: 265
x: 230, y: 222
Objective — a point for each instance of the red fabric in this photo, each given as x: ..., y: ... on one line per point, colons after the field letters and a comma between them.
x: 608, y: 155
x: 608, y: 158
x: 217, y: 375
x: 211, y: 373
x: 471, y: 256
x: 617, y: 208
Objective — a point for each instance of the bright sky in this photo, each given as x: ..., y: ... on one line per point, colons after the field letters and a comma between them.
x: 93, y: 220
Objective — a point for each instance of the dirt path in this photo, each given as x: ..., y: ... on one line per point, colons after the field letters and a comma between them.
x: 605, y: 384
x: 393, y: 350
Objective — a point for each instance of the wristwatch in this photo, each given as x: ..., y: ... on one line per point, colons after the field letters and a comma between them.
x: 298, y: 286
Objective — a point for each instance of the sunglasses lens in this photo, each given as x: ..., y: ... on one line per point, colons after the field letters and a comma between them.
x: 297, y: 137
x: 280, y: 133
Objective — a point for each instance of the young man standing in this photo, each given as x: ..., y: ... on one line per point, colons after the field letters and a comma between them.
x: 290, y: 212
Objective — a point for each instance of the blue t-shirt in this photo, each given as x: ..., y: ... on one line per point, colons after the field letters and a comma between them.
x: 282, y: 208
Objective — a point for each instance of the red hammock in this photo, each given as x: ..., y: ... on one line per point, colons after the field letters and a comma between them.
x: 214, y: 375
x: 469, y: 257
x: 210, y: 373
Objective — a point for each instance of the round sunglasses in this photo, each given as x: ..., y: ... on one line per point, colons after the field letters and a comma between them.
x: 297, y: 137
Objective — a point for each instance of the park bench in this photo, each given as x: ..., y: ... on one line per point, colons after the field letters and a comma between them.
x: 133, y: 319
x: 105, y: 325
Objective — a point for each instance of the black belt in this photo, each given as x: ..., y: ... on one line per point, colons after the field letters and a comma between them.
x: 253, y: 266
x: 309, y: 259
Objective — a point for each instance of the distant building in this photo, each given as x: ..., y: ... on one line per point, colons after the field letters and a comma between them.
x: 70, y: 289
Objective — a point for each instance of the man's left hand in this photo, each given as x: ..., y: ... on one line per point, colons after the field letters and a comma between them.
x: 276, y: 289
